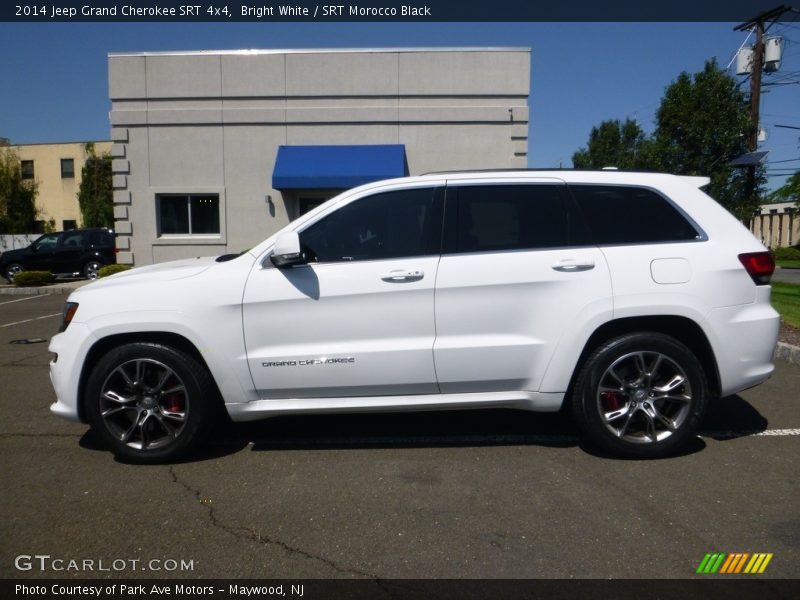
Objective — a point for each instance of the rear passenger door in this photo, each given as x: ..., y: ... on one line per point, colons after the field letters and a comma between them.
x: 651, y: 246
x: 515, y: 272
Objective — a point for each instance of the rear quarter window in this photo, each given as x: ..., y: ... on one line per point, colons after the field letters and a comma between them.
x: 631, y: 215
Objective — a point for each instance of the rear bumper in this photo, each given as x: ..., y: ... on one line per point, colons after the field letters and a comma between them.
x: 744, y: 339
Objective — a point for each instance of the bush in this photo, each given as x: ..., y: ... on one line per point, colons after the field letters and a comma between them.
x: 787, y: 253
x: 33, y: 278
x: 111, y: 269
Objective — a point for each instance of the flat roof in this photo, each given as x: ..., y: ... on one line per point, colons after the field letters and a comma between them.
x: 256, y: 51
x: 15, y: 144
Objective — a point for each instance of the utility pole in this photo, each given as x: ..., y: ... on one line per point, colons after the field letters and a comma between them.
x: 756, y: 69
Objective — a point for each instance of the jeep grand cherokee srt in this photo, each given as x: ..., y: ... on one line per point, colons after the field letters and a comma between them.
x: 629, y: 299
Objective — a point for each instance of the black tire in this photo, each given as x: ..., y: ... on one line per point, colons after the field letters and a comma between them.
x: 133, y: 404
x: 91, y: 268
x: 11, y: 270
x: 632, y: 404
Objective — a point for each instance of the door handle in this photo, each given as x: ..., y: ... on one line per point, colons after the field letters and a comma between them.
x: 403, y: 275
x: 571, y: 265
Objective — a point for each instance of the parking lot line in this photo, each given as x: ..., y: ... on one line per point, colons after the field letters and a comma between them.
x: 25, y: 298
x: 29, y: 320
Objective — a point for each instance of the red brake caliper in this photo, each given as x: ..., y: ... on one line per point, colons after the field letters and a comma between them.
x: 612, y: 400
x: 174, y: 404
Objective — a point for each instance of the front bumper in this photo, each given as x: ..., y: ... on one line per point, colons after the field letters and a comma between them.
x: 71, y: 348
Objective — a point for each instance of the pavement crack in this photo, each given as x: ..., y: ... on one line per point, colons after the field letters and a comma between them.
x: 247, y: 533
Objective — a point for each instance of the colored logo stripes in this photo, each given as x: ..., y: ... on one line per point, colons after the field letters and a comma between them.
x: 737, y: 562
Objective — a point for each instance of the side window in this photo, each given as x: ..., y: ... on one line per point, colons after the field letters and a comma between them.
x: 511, y: 217
x: 630, y: 215
x: 72, y: 240
x: 47, y: 242
x: 382, y: 226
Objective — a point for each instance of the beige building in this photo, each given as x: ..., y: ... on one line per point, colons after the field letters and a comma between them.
x: 57, y: 168
x: 777, y: 224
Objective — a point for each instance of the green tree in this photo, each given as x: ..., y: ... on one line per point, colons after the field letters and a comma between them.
x: 702, y: 124
x: 614, y: 144
x: 790, y: 191
x: 96, y: 196
x: 17, y: 196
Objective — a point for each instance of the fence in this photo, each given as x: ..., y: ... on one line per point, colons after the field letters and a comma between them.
x: 777, y: 225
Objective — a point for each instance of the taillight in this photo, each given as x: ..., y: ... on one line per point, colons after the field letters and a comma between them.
x: 116, y: 250
x: 759, y: 265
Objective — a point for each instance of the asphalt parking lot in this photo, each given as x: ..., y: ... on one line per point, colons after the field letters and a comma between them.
x: 497, y: 494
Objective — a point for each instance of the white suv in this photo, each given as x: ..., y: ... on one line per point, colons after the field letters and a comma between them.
x: 627, y: 298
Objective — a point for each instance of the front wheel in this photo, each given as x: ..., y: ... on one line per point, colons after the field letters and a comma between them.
x: 11, y: 271
x: 149, y: 402
x: 641, y: 395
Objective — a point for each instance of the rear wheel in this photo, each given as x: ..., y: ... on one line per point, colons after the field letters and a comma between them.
x: 150, y: 403
x: 92, y: 268
x: 641, y: 395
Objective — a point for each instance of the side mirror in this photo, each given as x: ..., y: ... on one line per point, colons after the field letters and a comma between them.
x: 286, y: 252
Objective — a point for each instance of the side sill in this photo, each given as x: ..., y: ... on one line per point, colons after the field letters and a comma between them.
x: 261, y: 409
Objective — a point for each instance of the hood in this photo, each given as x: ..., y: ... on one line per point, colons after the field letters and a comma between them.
x: 168, y: 271
x: 16, y: 253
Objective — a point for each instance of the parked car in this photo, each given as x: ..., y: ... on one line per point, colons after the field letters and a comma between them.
x: 629, y: 299
x: 74, y: 253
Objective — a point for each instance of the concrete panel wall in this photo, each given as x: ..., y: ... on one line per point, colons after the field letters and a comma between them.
x: 342, y: 74
x: 126, y: 77
x: 182, y: 156
x: 255, y: 209
x: 184, y: 76
x: 249, y: 75
x: 464, y: 73
x: 212, y: 123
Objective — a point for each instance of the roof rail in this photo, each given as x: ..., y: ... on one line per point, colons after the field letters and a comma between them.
x: 540, y: 169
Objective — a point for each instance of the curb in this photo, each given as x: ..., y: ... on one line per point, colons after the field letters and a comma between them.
x: 58, y: 289
x: 787, y: 352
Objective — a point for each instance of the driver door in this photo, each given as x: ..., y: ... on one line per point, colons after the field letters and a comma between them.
x: 358, y: 318
x: 42, y: 252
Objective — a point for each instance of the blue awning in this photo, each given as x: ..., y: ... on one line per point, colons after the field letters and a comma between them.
x: 336, y: 167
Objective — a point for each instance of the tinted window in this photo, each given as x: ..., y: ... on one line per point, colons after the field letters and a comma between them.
x: 382, y: 226
x: 188, y: 214
x: 47, y: 242
x: 511, y: 217
x: 72, y: 239
x: 100, y: 238
x: 630, y: 215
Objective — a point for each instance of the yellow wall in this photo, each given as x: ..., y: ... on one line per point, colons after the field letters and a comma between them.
x: 57, y: 197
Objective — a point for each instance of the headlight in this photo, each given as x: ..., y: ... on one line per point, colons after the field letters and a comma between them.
x: 70, y: 308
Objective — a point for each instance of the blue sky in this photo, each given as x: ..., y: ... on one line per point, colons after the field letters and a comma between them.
x: 56, y: 84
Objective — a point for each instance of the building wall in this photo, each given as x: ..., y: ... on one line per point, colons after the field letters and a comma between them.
x: 212, y: 122
x: 777, y: 225
x: 58, y: 196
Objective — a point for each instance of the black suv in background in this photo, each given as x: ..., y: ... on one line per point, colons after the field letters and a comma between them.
x: 75, y: 253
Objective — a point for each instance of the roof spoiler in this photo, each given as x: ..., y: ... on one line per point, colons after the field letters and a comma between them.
x: 698, y: 182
